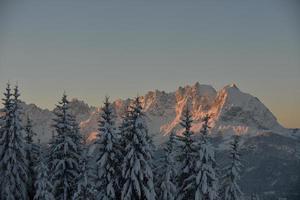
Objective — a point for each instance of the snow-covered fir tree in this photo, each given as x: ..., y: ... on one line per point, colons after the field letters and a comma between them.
x: 51, y: 146
x: 107, y: 155
x: 231, y: 188
x: 29, y: 133
x: 85, y: 187
x: 124, y: 133
x: 76, y: 135
x: 205, y: 167
x: 65, y: 152
x: 167, y: 182
x: 124, y: 130
x: 136, y: 167
x: 13, y: 162
x: 185, y: 156
x: 31, y: 155
x: 43, y: 186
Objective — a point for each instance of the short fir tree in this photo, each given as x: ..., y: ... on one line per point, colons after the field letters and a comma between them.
x: 85, y: 188
x: 42, y: 184
x: 231, y: 188
x: 167, y: 182
x: 205, y: 167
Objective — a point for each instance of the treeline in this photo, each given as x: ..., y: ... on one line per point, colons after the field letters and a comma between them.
x: 119, y: 164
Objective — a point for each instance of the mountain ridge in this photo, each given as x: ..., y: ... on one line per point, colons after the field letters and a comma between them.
x: 232, y: 112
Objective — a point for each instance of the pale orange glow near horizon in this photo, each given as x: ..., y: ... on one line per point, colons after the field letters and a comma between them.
x: 121, y: 48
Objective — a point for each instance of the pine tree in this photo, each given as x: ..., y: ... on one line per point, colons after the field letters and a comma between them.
x: 107, y: 155
x: 186, y: 155
x: 31, y: 155
x: 136, y: 167
x: 65, y: 151
x: 42, y: 183
x: 167, y: 184
x: 232, y: 173
x: 205, y: 167
x: 85, y: 188
x: 13, y: 163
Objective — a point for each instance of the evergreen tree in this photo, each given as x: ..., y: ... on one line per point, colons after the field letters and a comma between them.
x: 205, y: 167
x: 185, y: 155
x: 107, y: 155
x: 42, y: 183
x: 124, y: 130
x: 13, y: 163
x: 167, y: 184
x: 29, y: 134
x: 85, y: 188
x: 49, y: 156
x: 124, y: 133
x: 76, y: 135
x: 65, y: 151
x: 136, y: 167
x: 31, y: 155
x: 232, y: 173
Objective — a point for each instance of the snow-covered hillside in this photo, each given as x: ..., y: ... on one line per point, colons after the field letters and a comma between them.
x: 232, y: 112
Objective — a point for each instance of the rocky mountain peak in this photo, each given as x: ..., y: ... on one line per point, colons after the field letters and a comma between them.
x: 231, y: 110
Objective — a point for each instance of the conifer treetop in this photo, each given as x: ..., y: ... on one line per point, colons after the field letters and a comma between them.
x: 186, y: 122
x: 29, y: 132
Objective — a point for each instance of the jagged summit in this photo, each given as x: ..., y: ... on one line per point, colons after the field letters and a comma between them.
x: 232, y: 112
x: 196, y: 90
x: 232, y: 85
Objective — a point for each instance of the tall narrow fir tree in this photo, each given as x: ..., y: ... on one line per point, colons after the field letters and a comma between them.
x: 43, y: 186
x: 107, y: 155
x: 85, y: 185
x: 167, y: 183
x: 205, y: 167
x: 185, y: 155
x: 231, y: 188
x: 65, y: 150
x: 136, y: 167
x: 13, y: 162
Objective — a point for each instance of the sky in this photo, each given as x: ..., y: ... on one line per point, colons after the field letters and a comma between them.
x: 123, y: 48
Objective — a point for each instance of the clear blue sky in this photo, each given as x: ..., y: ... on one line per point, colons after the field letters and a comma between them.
x: 121, y: 48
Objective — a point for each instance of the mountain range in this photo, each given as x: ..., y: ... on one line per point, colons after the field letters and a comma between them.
x: 232, y: 112
x: 271, y: 152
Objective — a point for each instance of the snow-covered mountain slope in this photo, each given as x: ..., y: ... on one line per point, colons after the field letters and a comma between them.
x: 271, y: 153
x: 232, y: 112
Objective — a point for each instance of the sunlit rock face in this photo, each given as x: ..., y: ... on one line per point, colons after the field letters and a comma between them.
x: 232, y: 112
